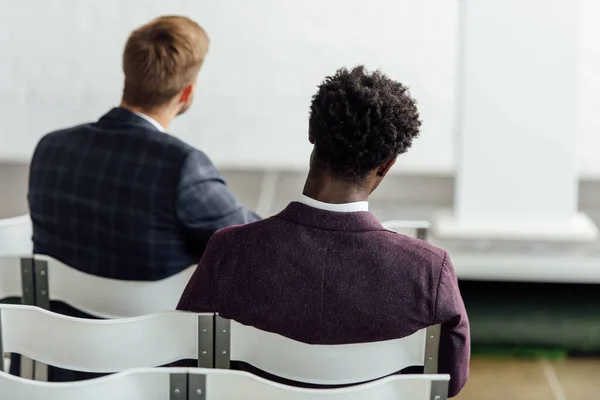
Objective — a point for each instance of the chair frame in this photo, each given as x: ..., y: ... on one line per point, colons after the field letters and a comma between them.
x: 42, y: 289
x: 27, y: 279
x: 28, y: 297
x: 196, y: 387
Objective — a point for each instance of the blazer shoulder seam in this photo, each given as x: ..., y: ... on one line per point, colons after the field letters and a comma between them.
x: 437, y: 291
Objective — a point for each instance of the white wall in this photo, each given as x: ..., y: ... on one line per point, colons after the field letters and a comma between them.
x: 60, y: 65
x: 588, y: 104
x: 518, y: 114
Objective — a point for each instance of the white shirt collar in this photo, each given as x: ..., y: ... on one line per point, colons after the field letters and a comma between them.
x: 346, y: 207
x: 151, y: 120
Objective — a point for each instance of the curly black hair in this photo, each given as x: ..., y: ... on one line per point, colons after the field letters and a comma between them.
x: 361, y: 120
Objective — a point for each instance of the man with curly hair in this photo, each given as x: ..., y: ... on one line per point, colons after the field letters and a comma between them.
x: 324, y: 270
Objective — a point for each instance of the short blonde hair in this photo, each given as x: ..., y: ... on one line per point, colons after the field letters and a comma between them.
x: 160, y: 59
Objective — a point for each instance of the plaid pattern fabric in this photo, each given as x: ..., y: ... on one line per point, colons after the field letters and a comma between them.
x: 122, y: 200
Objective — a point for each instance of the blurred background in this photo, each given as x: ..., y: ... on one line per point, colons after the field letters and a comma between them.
x: 506, y: 171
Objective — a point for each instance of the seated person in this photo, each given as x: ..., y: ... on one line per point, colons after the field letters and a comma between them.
x: 324, y: 270
x: 120, y: 197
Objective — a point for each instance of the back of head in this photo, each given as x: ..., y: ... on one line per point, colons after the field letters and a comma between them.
x: 360, y: 121
x: 160, y: 59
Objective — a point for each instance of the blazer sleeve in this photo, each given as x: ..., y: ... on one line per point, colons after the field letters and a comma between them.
x: 201, y: 293
x: 455, y: 340
x: 204, y: 203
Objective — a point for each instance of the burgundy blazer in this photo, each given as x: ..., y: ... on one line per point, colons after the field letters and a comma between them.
x: 325, y: 277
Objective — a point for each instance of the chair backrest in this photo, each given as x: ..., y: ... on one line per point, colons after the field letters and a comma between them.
x: 102, y: 297
x: 236, y: 385
x: 106, y: 346
x: 140, y: 384
x: 15, y: 236
x: 323, y: 364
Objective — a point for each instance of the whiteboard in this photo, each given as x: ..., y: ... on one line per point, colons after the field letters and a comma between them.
x: 61, y: 65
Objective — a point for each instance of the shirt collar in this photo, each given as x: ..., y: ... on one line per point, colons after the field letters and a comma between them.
x: 346, y: 207
x: 151, y: 120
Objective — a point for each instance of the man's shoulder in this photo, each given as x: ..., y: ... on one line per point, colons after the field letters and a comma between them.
x: 422, y: 246
x: 419, y: 251
x: 154, y: 139
x: 387, y: 245
x: 167, y: 141
x: 64, y: 134
x: 57, y: 140
x: 194, y: 156
x: 176, y: 142
x: 243, y: 233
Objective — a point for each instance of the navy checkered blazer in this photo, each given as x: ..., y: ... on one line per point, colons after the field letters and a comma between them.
x: 122, y: 200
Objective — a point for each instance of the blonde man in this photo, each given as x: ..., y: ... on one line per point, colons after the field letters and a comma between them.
x: 121, y: 198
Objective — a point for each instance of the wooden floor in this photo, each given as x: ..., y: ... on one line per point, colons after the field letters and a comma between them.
x: 509, y: 379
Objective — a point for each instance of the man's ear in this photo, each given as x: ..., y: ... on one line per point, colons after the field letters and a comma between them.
x: 186, y: 93
x: 385, y: 167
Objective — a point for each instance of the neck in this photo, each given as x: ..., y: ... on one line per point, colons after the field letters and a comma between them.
x: 324, y: 188
x: 163, y: 116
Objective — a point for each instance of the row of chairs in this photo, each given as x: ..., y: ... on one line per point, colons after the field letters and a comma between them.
x: 206, y: 384
x: 108, y: 346
x: 125, y: 344
x: 212, y: 340
x: 39, y: 279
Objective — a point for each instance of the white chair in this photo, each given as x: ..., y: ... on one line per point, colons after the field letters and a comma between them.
x: 236, y: 385
x: 323, y: 364
x: 102, y: 297
x: 421, y: 228
x: 141, y: 384
x: 16, y: 269
x: 106, y: 346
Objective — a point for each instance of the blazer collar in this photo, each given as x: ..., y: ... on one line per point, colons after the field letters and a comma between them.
x: 123, y: 116
x: 330, y: 220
